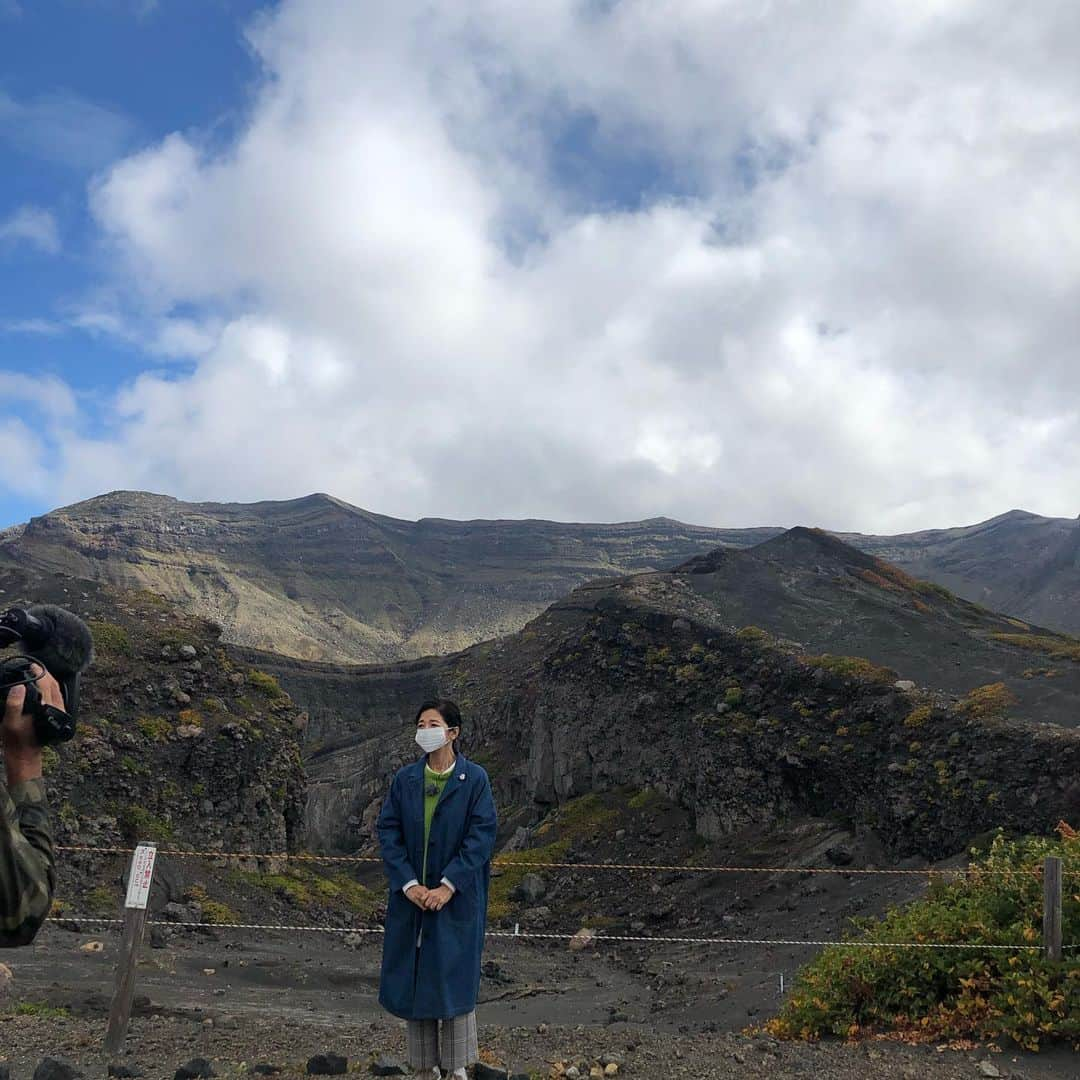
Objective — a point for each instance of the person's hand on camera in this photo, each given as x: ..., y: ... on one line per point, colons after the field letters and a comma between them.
x: 22, y: 754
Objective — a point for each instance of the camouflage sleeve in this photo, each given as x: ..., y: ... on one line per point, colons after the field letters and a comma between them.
x: 27, y: 866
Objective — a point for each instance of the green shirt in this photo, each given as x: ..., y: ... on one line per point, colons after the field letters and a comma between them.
x: 430, y: 802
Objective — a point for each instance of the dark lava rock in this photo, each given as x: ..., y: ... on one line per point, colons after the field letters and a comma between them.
x: 387, y: 1066
x: 839, y: 856
x: 123, y: 1072
x: 263, y: 1069
x: 5, y: 1072
x: 327, y: 1065
x: 195, y: 1069
x: 486, y: 1072
x: 51, y: 1069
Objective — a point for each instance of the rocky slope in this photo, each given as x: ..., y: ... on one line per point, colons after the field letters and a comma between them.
x: 1019, y: 563
x: 745, y: 688
x: 177, y: 744
x: 320, y: 579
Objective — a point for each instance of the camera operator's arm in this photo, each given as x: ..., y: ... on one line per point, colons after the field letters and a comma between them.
x: 27, y: 866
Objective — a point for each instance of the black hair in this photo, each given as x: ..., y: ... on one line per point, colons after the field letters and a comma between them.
x: 447, y: 709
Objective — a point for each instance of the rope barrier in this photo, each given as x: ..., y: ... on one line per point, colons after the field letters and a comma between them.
x: 597, y: 939
x: 501, y: 861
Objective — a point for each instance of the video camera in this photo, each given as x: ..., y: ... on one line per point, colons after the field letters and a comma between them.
x: 59, y: 641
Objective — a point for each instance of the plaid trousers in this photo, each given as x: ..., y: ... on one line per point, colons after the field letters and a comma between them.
x: 458, y: 1043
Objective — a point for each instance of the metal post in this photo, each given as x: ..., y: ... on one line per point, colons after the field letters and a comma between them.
x: 1052, y: 908
x: 138, y: 893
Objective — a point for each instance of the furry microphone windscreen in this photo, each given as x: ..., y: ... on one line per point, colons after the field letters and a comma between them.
x: 69, y: 646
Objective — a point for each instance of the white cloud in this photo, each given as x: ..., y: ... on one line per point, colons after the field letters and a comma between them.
x: 32, y: 327
x: 64, y: 129
x: 34, y: 226
x: 864, y: 317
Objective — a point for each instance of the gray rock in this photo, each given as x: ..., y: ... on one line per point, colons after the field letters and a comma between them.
x: 327, y: 1065
x: 532, y: 889
x: 839, y: 855
x: 124, y: 1072
x: 262, y: 1069
x: 904, y: 684
x: 988, y: 1068
x: 5, y: 1072
x: 188, y: 652
x: 53, y: 1069
x: 486, y: 1072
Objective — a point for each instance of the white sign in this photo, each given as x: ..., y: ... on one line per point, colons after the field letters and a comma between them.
x: 142, y: 872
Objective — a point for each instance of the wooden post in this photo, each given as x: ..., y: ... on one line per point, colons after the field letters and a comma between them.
x: 1052, y: 908
x: 138, y: 894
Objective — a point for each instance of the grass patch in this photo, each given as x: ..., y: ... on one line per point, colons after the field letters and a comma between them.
x: 267, y: 685
x: 110, y: 639
x: 1057, y: 648
x: 931, y: 995
x: 101, y: 900
x: 585, y: 816
x: 307, y: 889
x: 40, y: 1009
x: 852, y: 667
x: 154, y: 727
x: 214, y: 911
x: 137, y: 823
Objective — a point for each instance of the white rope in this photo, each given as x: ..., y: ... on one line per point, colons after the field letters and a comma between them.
x: 598, y: 938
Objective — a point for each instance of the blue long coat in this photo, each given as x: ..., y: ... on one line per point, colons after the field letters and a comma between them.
x: 441, y: 978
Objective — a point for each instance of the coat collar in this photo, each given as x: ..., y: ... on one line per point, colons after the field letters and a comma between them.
x: 458, y: 779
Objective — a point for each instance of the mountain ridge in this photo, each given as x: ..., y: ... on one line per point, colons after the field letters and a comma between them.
x: 319, y: 578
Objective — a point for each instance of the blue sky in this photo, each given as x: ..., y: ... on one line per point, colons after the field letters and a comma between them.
x: 567, y: 259
x: 82, y: 83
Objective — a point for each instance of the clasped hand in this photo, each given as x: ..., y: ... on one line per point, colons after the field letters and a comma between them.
x: 430, y: 899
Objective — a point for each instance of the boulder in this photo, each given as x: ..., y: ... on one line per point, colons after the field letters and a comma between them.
x: 531, y: 889
x: 53, y: 1069
x: 195, y: 1069
x: 327, y: 1065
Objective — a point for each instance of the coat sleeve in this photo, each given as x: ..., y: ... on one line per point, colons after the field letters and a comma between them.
x: 479, y: 843
x: 27, y: 867
x: 392, y: 839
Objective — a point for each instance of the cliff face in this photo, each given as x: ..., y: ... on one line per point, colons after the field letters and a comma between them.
x: 661, y: 682
x: 320, y: 579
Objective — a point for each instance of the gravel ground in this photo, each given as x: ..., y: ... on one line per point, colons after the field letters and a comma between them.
x: 158, y: 1045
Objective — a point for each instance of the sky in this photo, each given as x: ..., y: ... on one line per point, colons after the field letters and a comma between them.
x: 729, y: 261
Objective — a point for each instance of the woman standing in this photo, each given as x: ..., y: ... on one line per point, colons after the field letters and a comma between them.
x: 436, y: 834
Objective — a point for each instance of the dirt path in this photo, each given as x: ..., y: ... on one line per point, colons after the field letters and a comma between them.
x: 279, y: 1000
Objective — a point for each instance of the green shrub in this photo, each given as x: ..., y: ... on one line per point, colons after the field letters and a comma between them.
x: 852, y: 667
x: 154, y: 727
x: 137, y: 823
x: 936, y: 994
x: 266, y: 684
x: 918, y: 716
x: 733, y: 697
x: 987, y: 701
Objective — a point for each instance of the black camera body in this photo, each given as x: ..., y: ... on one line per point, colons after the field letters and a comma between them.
x: 61, y: 643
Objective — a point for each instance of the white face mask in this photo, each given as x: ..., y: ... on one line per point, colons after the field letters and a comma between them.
x: 429, y: 739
